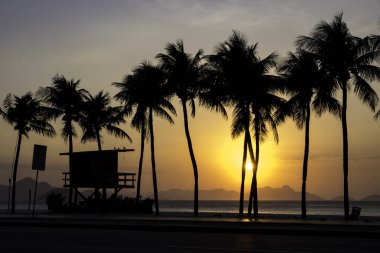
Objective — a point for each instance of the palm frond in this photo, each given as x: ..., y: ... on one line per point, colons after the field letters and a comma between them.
x: 88, y: 135
x: 192, y: 106
x: 365, y: 92
x: 165, y: 104
x: 160, y: 112
x: 325, y: 103
x: 213, y: 103
x: 377, y: 115
x: 118, y: 132
x: 240, y: 119
x: 368, y: 72
x: 25, y: 114
x: 42, y: 127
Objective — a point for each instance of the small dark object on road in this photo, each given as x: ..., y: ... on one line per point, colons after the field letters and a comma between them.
x: 355, y: 213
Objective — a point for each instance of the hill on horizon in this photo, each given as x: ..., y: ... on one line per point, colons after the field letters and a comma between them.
x: 22, y: 189
x: 341, y: 198
x: 265, y: 193
x: 373, y: 197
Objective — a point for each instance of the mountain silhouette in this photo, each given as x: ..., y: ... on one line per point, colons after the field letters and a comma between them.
x: 341, y: 198
x: 285, y: 193
x: 22, y: 189
x: 373, y: 197
x: 265, y: 193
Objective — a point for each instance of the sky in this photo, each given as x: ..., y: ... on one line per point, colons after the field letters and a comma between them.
x: 99, y: 42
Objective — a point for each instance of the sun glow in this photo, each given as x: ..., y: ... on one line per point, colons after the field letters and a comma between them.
x: 248, y: 165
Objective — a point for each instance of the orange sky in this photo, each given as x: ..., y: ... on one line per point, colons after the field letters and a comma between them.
x: 99, y: 43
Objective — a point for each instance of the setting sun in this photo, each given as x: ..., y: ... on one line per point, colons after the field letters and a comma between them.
x: 249, y: 166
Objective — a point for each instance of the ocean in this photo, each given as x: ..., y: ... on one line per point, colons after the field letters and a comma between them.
x: 334, y: 208
x: 272, y: 207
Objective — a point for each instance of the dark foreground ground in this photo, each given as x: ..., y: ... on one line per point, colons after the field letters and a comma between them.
x: 48, y: 239
x: 112, y: 233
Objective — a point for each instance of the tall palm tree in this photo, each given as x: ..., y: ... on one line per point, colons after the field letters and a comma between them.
x: 131, y: 94
x: 241, y: 73
x: 230, y: 63
x: 263, y: 103
x: 306, y: 89
x: 184, y: 74
x: 96, y: 114
x: 145, y: 92
x: 65, y: 99
x: 348, y: 60
x: 25, y: 114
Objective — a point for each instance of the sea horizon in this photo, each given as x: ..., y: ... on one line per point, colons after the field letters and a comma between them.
x: 230, y: 207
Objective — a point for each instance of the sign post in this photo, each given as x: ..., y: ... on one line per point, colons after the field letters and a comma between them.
x: 9, y: 192
x: 39, y: 160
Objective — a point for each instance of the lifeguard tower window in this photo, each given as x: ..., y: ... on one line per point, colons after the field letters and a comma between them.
x: 97, y: 169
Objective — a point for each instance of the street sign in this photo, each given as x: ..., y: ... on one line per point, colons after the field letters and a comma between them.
x: 39, y: 160
x: 39, y: 157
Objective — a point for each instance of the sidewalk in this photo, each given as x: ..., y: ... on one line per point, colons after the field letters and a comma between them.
x: 321, y: 226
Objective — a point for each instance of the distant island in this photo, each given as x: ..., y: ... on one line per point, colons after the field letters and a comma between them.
x: 266, y: 193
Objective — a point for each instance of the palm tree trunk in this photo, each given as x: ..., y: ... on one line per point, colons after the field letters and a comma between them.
x: 253, y: 193
x: 243, y: 168
x: 104, y: 190
x: 345, y: 151
x: 192, y: 156
x: 305, y: 160
x: 70, y: 153
x: 254, y: 180
x: 98, y: 140
x: 13, y: 208
x: 253, y: 161
x: 140, y: 161
x: 153, y: 162
x: 70, y: 141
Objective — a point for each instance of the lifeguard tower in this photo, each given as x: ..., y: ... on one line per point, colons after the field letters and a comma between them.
x: 96, y: 170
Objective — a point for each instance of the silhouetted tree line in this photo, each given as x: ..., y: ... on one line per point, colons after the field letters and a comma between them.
x: 328, y: 62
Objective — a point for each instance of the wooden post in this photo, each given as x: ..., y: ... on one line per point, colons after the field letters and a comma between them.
x: 75, y: 196
x: 9, y: 192
x: 29, y: 199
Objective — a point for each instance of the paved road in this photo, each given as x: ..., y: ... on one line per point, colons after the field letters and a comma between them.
x: 50, y: 239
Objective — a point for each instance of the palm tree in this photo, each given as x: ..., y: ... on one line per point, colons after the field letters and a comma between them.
x: 263, y: 103
x: 25, y: 114
x: 305, y: 86
x: 97, y: 114
x: 241, y: 73
x: 65, y: 99
x: 146, y: 93
x: 231, y: 63
x: 348, y: 61
x: 185, y: 73
x: 131, y: 95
